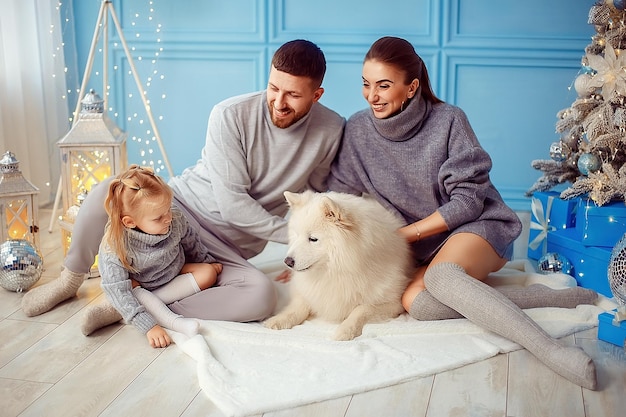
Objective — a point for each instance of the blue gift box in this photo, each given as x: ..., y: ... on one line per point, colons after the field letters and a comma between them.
x: 600, y: 226
x: 591, y: 263
x: 548, y: 212
x: 609, y: 331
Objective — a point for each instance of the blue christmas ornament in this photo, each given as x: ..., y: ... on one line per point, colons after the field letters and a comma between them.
x: 619, y: 4
x: 587, y: 163
x: 554, y: 262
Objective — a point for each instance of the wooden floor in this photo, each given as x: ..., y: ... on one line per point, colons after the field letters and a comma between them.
x: 48, y: 368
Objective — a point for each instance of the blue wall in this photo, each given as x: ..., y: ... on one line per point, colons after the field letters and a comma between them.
x: 508, y: 64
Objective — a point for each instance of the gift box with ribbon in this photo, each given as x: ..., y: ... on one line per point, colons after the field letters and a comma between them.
x: 548, y: 213
x: 611, y: 330
x: 591, y: 263
x: 600, y: 226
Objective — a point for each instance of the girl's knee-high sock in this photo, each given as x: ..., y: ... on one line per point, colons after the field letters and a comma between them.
x: 488, y: 308
x: 180, y: 287
x: 163, y: 315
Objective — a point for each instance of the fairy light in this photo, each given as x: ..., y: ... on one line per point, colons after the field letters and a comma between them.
x: 143, y: 140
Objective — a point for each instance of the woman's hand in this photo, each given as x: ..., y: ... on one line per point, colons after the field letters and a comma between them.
x: 158, y: 337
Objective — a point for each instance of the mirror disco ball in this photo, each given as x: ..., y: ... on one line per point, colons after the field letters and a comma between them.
x: 617, y: 272
x: 20, y: 265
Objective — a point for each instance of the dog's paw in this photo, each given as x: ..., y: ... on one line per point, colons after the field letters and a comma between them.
x: 278, y: 323
x: 344, y: 332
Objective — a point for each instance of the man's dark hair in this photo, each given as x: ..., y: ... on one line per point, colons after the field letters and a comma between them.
x: 301, y: 58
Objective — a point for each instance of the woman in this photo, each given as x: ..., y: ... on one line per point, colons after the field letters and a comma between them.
x: 419, y: 157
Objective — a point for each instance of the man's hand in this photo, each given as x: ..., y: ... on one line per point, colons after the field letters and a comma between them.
x: 284, y: 276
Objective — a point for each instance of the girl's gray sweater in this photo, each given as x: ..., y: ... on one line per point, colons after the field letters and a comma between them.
x: 158, y: 258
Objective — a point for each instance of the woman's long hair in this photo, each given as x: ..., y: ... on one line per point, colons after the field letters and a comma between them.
x: 400, y: 54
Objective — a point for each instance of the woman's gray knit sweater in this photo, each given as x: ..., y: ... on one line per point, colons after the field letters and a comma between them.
x: 425, y: 159
x: 158, y: 258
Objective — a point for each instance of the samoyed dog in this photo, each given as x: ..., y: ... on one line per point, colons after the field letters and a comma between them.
x: 349, y: 265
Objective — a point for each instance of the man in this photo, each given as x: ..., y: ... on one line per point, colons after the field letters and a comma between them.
x: 258, y: 145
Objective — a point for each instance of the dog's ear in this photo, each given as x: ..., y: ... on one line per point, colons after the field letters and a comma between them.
x: 293, y: 199
x: 334, y: 213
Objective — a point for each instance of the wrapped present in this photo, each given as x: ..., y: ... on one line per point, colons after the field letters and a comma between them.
x: 610, y: 330
x: 548, y: 212
x: 600, y: 226
x: 591, y: 263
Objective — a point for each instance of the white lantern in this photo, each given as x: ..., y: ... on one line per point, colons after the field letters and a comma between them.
x: 18, y: 203
x: 94, y: 149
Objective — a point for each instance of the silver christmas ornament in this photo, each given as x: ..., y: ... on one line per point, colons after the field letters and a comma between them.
x: 559, y: 151
x: 553, y: 262
x: 20, y: 265
x: 588, y: 162
x: 582, y: 85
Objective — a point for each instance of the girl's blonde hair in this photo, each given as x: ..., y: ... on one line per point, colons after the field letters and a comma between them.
x: 127, y: 193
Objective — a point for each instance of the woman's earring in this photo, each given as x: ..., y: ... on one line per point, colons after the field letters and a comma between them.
x: 402, y: 106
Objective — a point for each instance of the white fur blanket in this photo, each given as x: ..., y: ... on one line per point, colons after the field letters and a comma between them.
x: 248, y: 369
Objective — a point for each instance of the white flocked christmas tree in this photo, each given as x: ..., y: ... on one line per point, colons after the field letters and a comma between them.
x: 591, y: 153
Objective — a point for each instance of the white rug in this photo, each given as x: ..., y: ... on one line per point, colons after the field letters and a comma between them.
x: 247, y: 369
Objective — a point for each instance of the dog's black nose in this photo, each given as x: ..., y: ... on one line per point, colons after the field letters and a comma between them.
x: 289, y: 261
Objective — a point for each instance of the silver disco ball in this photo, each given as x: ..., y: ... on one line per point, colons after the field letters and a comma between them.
x: 20, y: 265
x: 553, y: 262
x: 617, y: 272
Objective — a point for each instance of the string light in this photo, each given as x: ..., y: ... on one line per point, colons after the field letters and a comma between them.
x: 140, y: 22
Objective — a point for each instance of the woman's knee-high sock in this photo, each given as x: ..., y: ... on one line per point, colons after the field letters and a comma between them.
x: 427, y: 307
x: 488, y: 308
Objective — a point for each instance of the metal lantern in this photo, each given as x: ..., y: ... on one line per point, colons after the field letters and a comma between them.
x: 93, y: 149
x: 18, y: 203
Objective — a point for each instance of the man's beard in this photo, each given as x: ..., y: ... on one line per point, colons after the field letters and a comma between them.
x: 283, y: 123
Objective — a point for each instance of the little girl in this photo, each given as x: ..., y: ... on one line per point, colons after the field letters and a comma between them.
x: 150, y: 257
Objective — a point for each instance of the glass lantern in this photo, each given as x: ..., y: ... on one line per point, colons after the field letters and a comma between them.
x: 18, y: 203
x: 93, y: 149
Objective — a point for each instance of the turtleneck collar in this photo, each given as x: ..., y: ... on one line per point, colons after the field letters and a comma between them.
x: 405, y: 124
x: 145, y: 239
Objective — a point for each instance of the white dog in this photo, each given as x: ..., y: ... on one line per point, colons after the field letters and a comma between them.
x: 349, y: 264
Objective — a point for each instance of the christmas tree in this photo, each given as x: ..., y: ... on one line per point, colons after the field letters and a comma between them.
x: 591, y: 152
